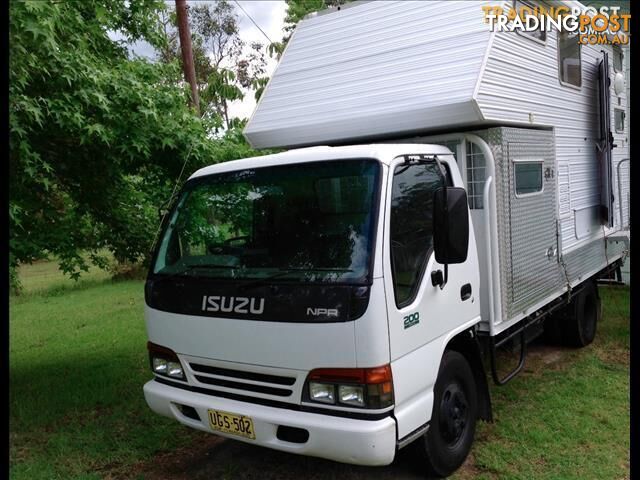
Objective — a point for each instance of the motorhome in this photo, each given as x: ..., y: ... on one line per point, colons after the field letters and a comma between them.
x: 448, y: 190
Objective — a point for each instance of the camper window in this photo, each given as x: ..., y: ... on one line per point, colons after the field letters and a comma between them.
x: 619, y: 118
x: 569, y: 59
x: 528, y: 177
x: 524, y: 8
x: 618, y: 58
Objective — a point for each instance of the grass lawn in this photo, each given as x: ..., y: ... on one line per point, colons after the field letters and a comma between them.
x: 567, y: 415
x: 45, y: 275
x: 78, y: 363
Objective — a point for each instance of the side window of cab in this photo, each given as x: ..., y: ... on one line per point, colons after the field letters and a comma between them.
x: 411, y: 226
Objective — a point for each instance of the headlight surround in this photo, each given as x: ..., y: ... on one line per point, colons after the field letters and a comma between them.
x: 165, y: 362
x: 351, y: 387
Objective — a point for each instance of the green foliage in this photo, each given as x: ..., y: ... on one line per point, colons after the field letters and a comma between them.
x: 298, y: 9
x: 225, y: 69
x: 97, y: 140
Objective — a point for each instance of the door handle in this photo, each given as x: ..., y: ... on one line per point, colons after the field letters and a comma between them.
x: 465, y: 292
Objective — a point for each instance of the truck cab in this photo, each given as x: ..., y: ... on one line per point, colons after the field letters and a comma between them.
x: 321, y: 301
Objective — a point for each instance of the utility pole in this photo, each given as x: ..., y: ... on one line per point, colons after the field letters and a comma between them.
x: 187, y: 53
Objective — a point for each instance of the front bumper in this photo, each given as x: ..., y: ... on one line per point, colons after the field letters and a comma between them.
x: 360, y: 442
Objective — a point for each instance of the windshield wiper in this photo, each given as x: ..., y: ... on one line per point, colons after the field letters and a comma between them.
x: 286, y: 271
x: 211, y: 265
x: 198, y: 266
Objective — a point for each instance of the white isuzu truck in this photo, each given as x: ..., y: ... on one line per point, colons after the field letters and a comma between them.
x: 347, y: 298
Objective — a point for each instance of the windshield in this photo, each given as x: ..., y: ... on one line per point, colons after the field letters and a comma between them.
x: 311, y: 222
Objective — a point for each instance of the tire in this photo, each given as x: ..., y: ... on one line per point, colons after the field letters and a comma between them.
x: 584, y: 313
x: 453, y: 421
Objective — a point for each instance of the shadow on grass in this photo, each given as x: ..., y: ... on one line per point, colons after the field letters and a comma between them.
x: 213, y: 457
x: 48, y: 392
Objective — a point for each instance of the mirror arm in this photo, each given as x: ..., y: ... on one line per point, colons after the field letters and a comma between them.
x: 446, y: 229
x: 446, y: 276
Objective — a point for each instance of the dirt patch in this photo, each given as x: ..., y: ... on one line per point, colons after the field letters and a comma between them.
x: 614, y: 355
x: 172, y: 465
x: 541, y: 357
x: 470, y: 470
x: 215, y: 457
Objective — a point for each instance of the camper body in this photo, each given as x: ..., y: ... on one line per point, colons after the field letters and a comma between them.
x: 337, y: 301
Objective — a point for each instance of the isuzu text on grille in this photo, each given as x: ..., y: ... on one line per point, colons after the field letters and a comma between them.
x: 216, y: 303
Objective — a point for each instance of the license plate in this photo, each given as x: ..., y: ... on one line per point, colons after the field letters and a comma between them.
x: 227, y: 422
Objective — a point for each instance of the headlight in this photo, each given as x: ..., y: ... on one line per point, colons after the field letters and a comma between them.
x: 165, y: 362
x: 174, y: 369
x: 160, y: 365
x: 351, y: 395
x: 322, y: 392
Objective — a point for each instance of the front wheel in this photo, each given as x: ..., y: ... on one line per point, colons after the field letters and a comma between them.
x: 453, y: 421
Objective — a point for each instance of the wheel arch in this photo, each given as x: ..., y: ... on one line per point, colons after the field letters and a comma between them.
x: 466, y: 343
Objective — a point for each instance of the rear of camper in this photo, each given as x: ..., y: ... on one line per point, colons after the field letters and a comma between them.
x: 456, y: 190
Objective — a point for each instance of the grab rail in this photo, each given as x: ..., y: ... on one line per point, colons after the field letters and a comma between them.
x: 491, y: 232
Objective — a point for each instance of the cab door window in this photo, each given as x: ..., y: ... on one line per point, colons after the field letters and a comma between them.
x: 411, y: 226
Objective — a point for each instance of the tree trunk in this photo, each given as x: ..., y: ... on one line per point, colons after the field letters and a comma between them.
x: 187, y: 53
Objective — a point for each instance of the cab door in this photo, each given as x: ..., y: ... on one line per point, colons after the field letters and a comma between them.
x: 421, y: 316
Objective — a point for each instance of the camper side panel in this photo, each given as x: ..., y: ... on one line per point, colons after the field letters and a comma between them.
x: 532, y: 270
x: 521, y: 84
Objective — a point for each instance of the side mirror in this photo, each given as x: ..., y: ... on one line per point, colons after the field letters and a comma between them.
x: 450, y: 225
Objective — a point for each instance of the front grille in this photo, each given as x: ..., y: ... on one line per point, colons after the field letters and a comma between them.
x: 258, y: 377
x: 280, y: 392
x: 273, y: 384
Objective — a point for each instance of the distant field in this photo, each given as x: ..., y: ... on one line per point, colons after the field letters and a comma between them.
x: 78, y: 363
x: 44, y: 275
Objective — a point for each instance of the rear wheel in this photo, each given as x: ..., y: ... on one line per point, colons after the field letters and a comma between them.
x: 583, y: 316
x: 453, y: 421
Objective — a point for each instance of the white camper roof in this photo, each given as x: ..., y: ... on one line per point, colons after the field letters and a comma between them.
x: 401, y: 68
x: 376, y: 68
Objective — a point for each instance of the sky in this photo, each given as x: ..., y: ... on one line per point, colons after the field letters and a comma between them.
x: 269, y: 15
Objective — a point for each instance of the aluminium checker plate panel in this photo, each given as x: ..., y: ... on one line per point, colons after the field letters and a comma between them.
x: 527, y: 227
x: 527, y: 224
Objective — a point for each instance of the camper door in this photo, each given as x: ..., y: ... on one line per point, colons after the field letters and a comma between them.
x: 605, y: 143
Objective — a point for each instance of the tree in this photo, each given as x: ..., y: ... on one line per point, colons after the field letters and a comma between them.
x: 226, y: 68
x: 298, y: 9
x: 97, y: 140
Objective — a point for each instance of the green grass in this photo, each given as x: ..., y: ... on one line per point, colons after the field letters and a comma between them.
x: 564, y: 419
x: 44, y: 275
x: 78, y: 363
